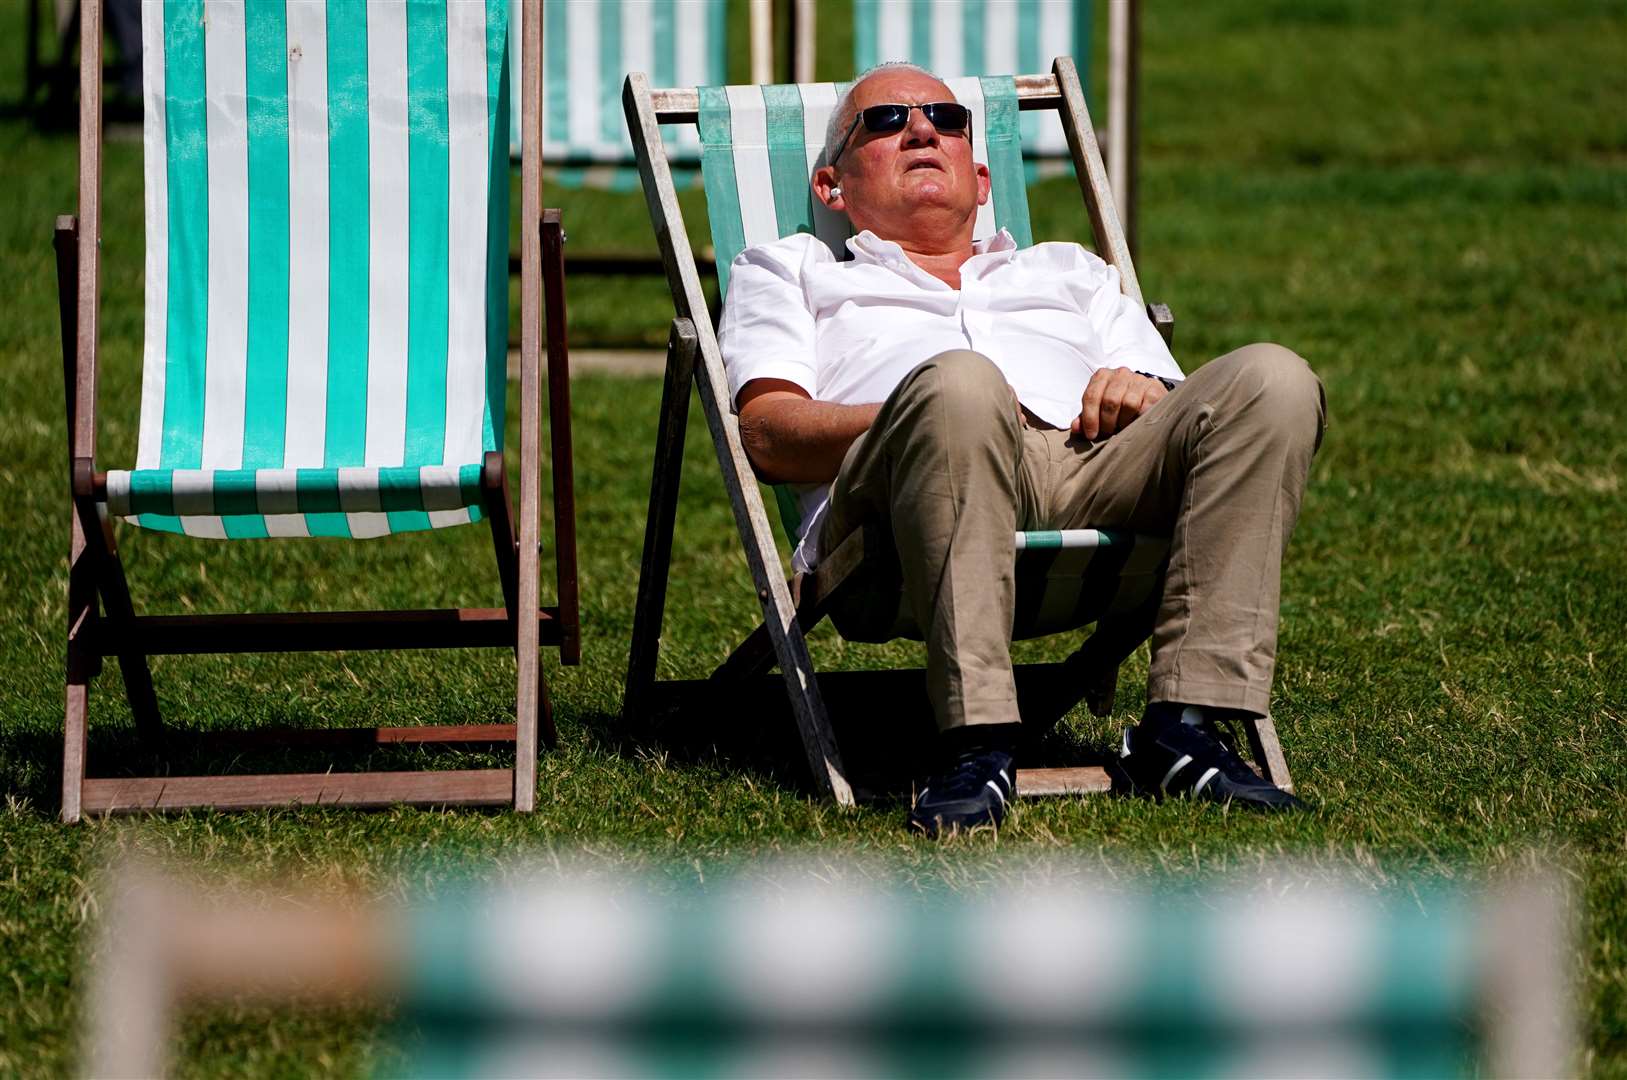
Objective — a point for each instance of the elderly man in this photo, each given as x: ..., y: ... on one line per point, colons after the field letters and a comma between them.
x: 955, y: 392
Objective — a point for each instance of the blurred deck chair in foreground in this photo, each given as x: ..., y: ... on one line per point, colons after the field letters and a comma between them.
x: 326, y: 350
x: 798, y: 970
x: 762, y: 145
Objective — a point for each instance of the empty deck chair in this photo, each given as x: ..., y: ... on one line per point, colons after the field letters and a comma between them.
x: 326, y: 348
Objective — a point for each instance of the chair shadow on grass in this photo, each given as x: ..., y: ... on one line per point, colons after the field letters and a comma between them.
x: 888, y: 741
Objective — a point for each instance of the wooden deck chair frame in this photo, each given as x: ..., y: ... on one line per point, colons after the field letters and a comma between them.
x: 113, y: 629
x: 791, y: 608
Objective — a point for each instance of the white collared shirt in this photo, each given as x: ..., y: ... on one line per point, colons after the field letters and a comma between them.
x: 1048, y: 316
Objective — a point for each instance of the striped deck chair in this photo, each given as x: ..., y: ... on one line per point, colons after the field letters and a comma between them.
x: 588, y: 48
x: 326, y: 349
x: 761, y: 146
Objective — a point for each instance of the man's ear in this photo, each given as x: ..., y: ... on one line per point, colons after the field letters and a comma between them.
x: 827, y: 188
x: 985, y: 183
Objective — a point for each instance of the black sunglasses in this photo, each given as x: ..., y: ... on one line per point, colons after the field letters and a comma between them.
x: 881, y: 119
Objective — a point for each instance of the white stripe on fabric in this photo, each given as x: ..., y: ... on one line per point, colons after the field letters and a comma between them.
x: 582, y: 38
x: 1055, y: 37
x: 276, y: 491
x: 893, y: 32
x: 1208, y: 775
x: 118, y: 491
x: 204, y: 526
x: 192, y: 492
x: 305, y: 441
x: 466, y: 234
x: 1000, y: 37
x: 748, y: 127
x: 441, y: 519
x: 155, y: 350
x: 818, y: 100
x: 637, y: 37
x: 287, y: 525
x: 1183, y: 762
x: 992, y: 786
x: 368, y: 525
x: 1055, y: 33
x: 969, y: 92
x: 516, y: 9
x: 227, y: 336
x: 387, y: 233
x: 438, y: 485
x: 693, y: 26
x: 359, y: 491
x: 947, y: 53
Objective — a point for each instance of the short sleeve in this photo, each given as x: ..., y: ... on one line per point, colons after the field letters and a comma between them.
x: 768, y: 330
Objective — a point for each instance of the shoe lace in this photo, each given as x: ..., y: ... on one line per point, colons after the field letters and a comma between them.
x: 968, y: 773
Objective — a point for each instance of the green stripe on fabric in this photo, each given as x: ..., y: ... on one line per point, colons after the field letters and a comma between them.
x: 235, y: 492
x: 265, y: 378
x: 866, y: 33
x: 400, y: 489
x: 788, y: 159
x: 717, y: 38
x: 186, y: 316
x: 972, y: 52
x: 245, y: 528
x: 317, y: 491
x: 1006, y: 158
x: 345, y: 442
x: 1028, y: 44
x: 609, y: 89
x: 556, y: 67
x: 428, y: 213
x: 717, y: 171
x: 664, y: 35
x: 1038, y: 540
x: 498, y: 109
x: 152, y: 492
x: 328, y: 525
x: 161, y: 522
x: 921, y: 19
x: 469, y: 491
x: 408, y: 521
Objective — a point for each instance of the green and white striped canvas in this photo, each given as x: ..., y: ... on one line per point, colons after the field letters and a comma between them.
x: 589, y: 46
x: 817, y: 972
x: 979, y: 37
x: 327, y: 266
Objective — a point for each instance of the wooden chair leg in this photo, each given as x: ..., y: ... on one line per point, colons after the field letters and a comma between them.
x: 665, y: 478
x: 1262, y: 737
x: 83, y: 664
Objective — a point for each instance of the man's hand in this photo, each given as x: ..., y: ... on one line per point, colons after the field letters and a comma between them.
x: 1113, y: 398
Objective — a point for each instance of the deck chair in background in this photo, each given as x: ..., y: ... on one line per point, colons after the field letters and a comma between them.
x: 761, y: 146
x: 989, y: 37
x: 326, y: 331
x: 588, y: 48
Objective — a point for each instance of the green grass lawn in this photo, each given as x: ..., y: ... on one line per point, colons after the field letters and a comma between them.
x: 1428, y: 202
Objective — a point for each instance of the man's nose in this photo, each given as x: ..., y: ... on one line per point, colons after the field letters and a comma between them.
x: 919, y: 130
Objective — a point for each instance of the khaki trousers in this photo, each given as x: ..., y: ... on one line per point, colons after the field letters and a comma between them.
x: 1218, y: 466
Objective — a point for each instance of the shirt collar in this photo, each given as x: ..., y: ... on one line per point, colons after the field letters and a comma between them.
x: 866, y: 246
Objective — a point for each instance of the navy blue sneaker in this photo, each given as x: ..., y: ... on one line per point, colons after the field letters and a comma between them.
x: 1193, y: 761
x: 972, y: 792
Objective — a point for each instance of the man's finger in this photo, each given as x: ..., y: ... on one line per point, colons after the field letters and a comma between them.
x: 1112, y: 406
x: 1090, y: 405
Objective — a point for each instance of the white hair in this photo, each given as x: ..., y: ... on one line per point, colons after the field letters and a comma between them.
x: 841, y: 117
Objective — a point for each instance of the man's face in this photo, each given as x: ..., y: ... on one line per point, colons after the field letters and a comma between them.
x: 901, y: 182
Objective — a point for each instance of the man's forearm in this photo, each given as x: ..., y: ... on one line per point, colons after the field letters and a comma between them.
x: 799, y: 441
